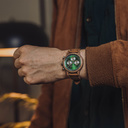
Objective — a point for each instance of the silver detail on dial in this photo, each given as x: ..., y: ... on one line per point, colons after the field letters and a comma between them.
x: 73, y: 58
x: 69, y: 62
x: 76, y: 62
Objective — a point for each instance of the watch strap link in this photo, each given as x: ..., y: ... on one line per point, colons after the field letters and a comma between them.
x: 73, y: 51
x: 75, y: 76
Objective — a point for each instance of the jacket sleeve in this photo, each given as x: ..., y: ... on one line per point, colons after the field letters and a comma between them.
x: 42, y: 117
x: 107, y: 64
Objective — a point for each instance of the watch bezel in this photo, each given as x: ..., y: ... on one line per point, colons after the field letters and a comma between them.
x: 81, y: 59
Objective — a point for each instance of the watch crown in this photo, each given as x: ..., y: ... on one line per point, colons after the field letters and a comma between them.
x: 62, y: 64
x: 63, y: 57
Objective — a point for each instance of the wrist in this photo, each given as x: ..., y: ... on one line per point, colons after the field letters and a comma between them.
x: 61, y: 73
x: 83, y: 71
x: 74, y: 70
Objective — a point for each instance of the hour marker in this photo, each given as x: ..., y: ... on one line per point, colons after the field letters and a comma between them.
x: 73, y: 58
x: 69, y: 62
x: 76, y: 62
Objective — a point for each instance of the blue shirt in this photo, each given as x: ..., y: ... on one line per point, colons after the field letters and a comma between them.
x: 96, y: 107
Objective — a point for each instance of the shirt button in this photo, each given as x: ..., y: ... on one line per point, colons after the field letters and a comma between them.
x: 88, y: 19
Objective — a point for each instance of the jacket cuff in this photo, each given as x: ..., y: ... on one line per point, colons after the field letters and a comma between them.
x: 99, y: 65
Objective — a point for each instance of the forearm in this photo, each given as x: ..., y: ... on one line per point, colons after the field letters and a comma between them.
x: 102, y: 65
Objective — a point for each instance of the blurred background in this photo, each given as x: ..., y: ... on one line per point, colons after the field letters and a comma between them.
x: 21, y: 22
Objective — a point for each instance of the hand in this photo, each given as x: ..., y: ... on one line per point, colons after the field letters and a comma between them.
x: 39, y: 64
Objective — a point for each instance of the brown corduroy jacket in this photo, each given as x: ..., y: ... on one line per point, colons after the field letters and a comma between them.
x: 110, y: 67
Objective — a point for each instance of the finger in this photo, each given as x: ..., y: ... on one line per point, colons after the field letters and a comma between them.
x: 28, y: 80
x: 21, y: 72
x: 17, y: 63
x: 16, y: 53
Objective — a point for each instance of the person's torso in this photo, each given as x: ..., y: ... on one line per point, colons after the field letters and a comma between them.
x: 97, y: 107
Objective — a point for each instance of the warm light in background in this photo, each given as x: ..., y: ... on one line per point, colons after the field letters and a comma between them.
x: 7, y: 52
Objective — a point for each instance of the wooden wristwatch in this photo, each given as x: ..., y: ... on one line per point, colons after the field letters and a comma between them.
x: 72, y: 64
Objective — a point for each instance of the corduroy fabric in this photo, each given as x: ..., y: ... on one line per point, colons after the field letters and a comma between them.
x: 99, y: 65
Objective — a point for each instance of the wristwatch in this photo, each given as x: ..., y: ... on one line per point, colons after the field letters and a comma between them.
x: 72, y: 64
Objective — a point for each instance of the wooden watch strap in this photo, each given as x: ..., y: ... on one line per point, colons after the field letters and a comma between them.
x: 74, y: 51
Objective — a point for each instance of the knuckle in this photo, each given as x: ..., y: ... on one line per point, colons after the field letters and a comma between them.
x: 24, y: 48
x: 29, y: 80
x: 21, y: 61
x: 16, y: 63
x: 24, y: 70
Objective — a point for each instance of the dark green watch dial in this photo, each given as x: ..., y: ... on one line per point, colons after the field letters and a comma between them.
x: 72, y: 62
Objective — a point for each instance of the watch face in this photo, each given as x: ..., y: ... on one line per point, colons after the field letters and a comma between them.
x: 72, y: 62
